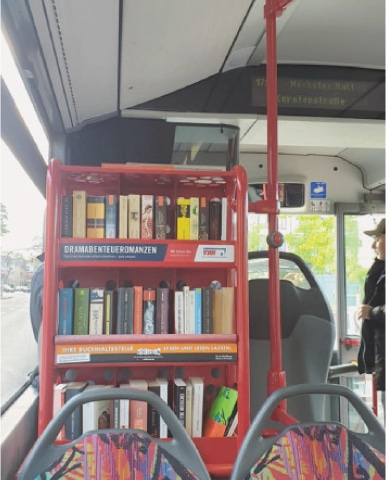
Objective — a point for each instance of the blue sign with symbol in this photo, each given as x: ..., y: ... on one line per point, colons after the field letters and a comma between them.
x: 318, y: 189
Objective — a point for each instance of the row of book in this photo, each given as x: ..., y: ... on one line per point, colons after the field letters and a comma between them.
x: 145, y: 310
x: 185, y: 397
x: 142, y: 216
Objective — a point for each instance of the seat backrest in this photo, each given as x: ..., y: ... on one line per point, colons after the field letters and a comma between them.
x: 307, y: 332
x: 115, y: 453
x: 312, y: 450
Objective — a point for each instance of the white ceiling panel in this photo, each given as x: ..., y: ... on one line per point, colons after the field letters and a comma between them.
x: 180, y: 42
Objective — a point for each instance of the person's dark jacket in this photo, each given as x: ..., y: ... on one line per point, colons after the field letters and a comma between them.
x: 371, y: 356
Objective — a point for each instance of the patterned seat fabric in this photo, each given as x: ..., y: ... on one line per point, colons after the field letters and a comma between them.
x: 322, y: 452
x: 113, y: 456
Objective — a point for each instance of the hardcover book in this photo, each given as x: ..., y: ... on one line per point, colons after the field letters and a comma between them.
x: 81, y: 311
x: 65, y: 311
x: 138, y: 309
x: 96, y: 310
x: 183, y: 218
x: 162, y: 310
x: 189, y: 407
x: 125, y: 310
x: 161, y: 206
x: 74, y: 423
x: 111, y: 216
x: 179, y: 320
x: 207, y: 310
x: 220, y: 412
x: 122, y: 207
x: 147, y: 220
x: 66, y: 225
x: 124, y: 410
x: 134, y: 215
x: 138, y: 409
x: 149, y: 310
x: 79, y: 214
x: 203, y: 219
x: 223, y: 306
x: 215, y: 209
x: 224, y: 217
x: 95, y: 216
x: 97, y: 414
x: 59, y: 400
x: 179, y: 399
x: 194, y: 209
x: 109, y: 312
x: 198, y: 311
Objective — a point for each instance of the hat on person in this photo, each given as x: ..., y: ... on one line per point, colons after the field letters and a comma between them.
x: 379, y: 229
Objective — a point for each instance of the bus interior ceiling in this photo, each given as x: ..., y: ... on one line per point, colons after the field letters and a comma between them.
x: 93, y: 61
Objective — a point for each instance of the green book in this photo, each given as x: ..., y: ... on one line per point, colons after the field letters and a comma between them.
x: 81, y: 310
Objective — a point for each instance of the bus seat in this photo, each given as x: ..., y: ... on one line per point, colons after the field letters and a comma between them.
x: 308, y: 335
x: 115, y: 453
x: 312, y: 449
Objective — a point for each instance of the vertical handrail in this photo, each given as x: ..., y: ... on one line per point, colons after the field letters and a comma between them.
x: 276, y: 376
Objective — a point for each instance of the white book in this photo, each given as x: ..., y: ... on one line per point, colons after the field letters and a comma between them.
x: 96, y: 311
x: 224, y: 218
x: 124, y: 410
x: 164, y: 388
x: 191, y: 327
x: 186, y: 291
x: 97, y: 414
x: 198, y: 404
x: 134, y: 215
x: 179, y: 317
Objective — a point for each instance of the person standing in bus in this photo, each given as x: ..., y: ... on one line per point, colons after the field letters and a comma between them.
x: 371, y: 356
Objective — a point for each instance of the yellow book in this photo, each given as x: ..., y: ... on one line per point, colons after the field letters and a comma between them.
x: 95, y: 216
x: 183, y: 218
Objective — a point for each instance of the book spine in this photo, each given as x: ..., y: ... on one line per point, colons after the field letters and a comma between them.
x: 215, y: 208
x: 109, y: 312
x: 183, y: 218
x: 189, y: 408
x: 179, y: 322
x: 96, y: 310
x: 147, y: 220
x: 65, y: 311
x: 79, y: 214
x: 153, y: 417
x: 116, y: 410
x: 187, y: 319
x: 207, y: 310
x: 59, y: 399
x: 124, y: 410
x: 125, y: 313
x: 74, y: 423
x: 217, y: 310
x: 66, y: 225
x: 134, y: 216
x: 138, y: 309
x: 194, y: 209
x: 149, y: 310
x: 95, y: 216
x: 111, y: 216
x: 203, y: 219
x: 224, y: 218
x: 198, y: 311
x: 81, y: 311
x: 162, y: 311
x: 138, y: 409
x: 122, y: 229
x: 197, y: 405
x: 179, y: 404
x: 161, y: 216
x: 164, y: 394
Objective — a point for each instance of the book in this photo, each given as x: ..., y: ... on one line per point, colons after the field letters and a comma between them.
x: 116, y: 410
x: 147, y: 222
x: 207, y: 309
x: 215, y: 209
x: 198, y: 310
x: 203, y: 219
x: 197, y: 405
x: 96, y: 311
x: 125, y: 310
x: 122, y: 208
x: 95, y: 216
x: 111, y: 216
x: 59, y: 399
x: 220, y: 412
x: 66, y: 223
x: 187, y: 321
x: 138, y: 409
x: 79, y: 214
x: 223, y: 306
x: 189, y: 407
x: 162, y: 310
x: 179, y: 399
x: 81, y: 311
x: 74, y: 424
x: 109, y: 312
x: 134, y: 215
x: 149, y: 310
x: 194, y: 208
x: 179, y: 321
x: 65, y: 311
x: 183, y: 218
x: 161, y: 207
x: 153, y: 416
x: 232, y: 423
x: 97, y: 415
x: 138, y: 309
x: 124, y: 410
x: 164, y: 394
x: 224, y: 218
